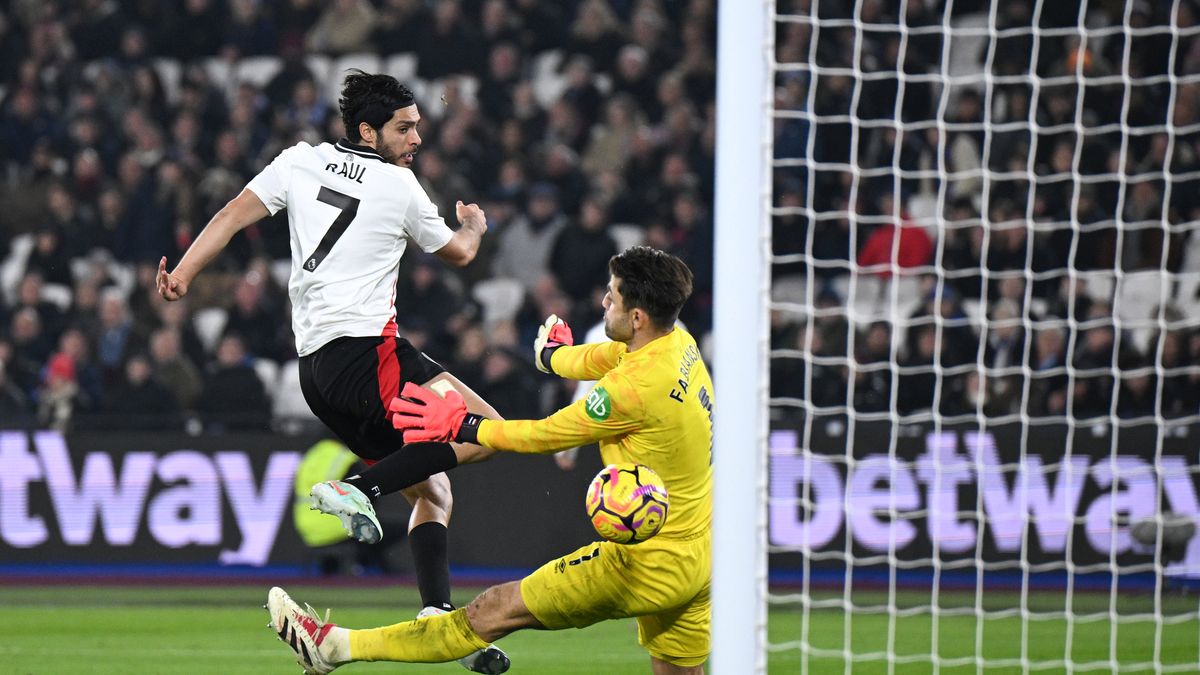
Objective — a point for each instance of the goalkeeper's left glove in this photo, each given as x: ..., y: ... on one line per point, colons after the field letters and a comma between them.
x: 425, y: 417
x: 552, y: 334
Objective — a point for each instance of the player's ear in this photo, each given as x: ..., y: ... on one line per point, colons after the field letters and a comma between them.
x: 637, y: 319
x: 366, y: 132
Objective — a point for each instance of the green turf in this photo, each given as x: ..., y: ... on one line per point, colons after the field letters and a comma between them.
x: 868, y: 632
x: 165, y: 629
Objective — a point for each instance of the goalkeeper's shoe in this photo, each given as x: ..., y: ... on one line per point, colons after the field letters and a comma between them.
x: 350, y: 505
x: 491, y: 660
x: 303, y: 631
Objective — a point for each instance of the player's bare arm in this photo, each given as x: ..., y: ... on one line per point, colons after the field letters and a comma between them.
x: 464, y: 245
x: 241, y: 212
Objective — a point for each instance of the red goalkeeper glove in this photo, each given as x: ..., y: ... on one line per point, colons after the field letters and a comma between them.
x: 425, y: 417
x: 552, y: 334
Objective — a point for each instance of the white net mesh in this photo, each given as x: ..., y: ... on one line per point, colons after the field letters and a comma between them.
x: 985, y: 336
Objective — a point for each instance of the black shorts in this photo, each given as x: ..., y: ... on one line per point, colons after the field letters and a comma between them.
x: 349, y: 382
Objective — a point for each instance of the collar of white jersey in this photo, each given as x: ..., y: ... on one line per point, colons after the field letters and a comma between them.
x: 360, y: 150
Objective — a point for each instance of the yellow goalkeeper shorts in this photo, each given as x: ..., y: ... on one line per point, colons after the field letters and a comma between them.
x: 664, y: 583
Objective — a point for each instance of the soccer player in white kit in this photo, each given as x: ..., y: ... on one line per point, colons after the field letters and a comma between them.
x: 353, y: 207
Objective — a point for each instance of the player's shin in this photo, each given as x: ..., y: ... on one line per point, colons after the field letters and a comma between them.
x: 434, y: 639
x: 406, y: 467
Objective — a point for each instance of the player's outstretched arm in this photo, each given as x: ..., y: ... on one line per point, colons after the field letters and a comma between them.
x: 554, y: 351
x: 241, y: 212
x: 425, y: 417
x: 464, y: 245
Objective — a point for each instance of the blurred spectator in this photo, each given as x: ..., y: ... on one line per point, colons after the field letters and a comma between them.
x: 507, y: 380
x: 1004, y: 352
x: 468, y: 356
x: 344, y: 27
x: 175, y: 316
x: 449, y: 27
x: 139, y: 403
x: 959, y: 343
x: 789, y: 374
x: 173, y: 370
x: 1138, y: 395
x: 595, y: 32
x: 49, y: 258
x: 117, y: 337
x: 580, y: 254
x: 918, y: 383
x: 30, y: 295
x: 893, y: 246
x: 250, y: 31
x: 234, y: 396
x: 1047, y: 391
x: 257, y: 319
x: 525, y: 244
x: 197, y: 29
x: 399, y: 25
x: 59, y: 396
x: 543, y: 24
x: 1095, y: 358
x: 872, y: 374
x: 608, y: 149
x: 15, y: 408
x: 31, y: 345
x: 427, y: 294
x: 74, y: 344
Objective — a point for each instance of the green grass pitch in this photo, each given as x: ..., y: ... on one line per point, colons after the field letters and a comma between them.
x: 222, y: 629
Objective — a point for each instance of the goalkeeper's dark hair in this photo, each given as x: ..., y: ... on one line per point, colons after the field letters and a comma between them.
x: 653, y: 281
x: 371, y: 98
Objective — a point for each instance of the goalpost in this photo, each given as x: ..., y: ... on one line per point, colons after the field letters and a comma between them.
x: 739, y: 318
x: 962, y: 241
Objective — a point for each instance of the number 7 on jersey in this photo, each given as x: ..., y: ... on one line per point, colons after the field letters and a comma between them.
x: 349, y: 209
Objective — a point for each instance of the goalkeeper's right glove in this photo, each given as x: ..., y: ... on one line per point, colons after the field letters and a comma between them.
x: 552, y: 334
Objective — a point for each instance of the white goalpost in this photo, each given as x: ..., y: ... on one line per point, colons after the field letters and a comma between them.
x: 740, y: 298
x: 957, y: 337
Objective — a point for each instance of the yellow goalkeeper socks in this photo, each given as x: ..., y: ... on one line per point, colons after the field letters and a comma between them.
x: 434, y: 639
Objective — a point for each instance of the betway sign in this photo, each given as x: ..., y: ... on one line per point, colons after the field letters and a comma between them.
x: 996, y: 491
x: 54, y: 500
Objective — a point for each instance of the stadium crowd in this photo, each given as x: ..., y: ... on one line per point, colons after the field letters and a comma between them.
x: 578, y: 127
x: 1060, y: 274
x: 582, y: 126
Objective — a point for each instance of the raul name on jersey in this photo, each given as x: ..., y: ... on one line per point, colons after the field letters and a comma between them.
x: 354, y: 171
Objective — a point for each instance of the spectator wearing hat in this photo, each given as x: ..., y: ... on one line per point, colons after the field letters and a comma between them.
x: 59, y: 394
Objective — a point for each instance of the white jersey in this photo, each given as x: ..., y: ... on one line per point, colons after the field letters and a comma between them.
x: 351, y: 215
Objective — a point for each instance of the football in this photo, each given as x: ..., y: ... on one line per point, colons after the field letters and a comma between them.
x: 627, y: 503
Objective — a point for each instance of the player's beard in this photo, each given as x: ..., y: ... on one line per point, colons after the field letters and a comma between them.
x: 390, y: 154
x: 618, y: 328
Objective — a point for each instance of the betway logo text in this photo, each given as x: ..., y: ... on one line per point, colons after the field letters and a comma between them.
x: 111, y: 502
x: 887, y: 504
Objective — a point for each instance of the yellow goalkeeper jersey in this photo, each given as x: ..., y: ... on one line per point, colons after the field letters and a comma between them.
x: 652, y: 406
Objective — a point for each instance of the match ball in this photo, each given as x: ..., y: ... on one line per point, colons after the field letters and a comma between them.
x: 627, y: 503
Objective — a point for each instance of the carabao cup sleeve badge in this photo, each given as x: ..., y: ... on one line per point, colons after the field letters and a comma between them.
x: 598, y: 405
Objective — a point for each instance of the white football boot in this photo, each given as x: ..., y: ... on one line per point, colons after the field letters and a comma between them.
x: 490, y: 661
x: 350, y: 505
x: 307, y: 635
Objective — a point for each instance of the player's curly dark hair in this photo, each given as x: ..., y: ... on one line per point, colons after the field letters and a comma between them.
x: 653, y: 281
x: 370, y: 98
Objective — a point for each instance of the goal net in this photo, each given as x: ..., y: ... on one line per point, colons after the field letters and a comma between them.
x: 984, y: 336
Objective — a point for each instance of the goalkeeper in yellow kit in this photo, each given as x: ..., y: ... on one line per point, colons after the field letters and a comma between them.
x: 652, y: 405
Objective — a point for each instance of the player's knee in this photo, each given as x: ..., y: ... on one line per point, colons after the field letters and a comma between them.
x: 500, y: 610
x: 435, y: 491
